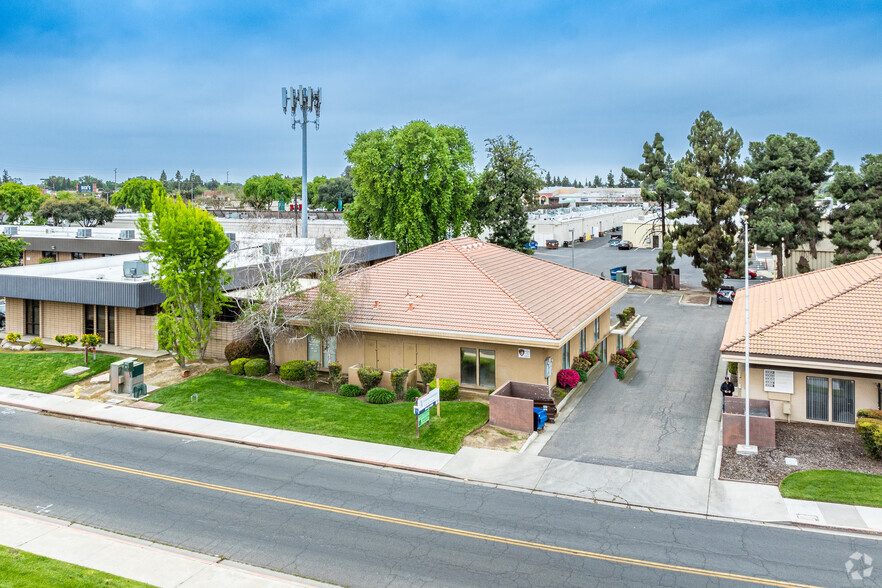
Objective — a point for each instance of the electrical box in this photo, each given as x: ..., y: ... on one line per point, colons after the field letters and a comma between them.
x: 127, y: 234
x: 127, y: 377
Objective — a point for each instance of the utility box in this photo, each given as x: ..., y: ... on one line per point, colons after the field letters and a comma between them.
x: 127, y: 377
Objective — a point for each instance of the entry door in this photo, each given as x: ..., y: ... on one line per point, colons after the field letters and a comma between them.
x: 415, y: 354
x: 655, y: 241
x: 370, y: 353
x: 383, y: 355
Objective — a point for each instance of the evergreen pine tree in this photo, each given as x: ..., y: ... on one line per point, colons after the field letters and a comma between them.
x: 164, y: 179
x: 857, y: 219
x: 610, y: 180
x: 598, y: 183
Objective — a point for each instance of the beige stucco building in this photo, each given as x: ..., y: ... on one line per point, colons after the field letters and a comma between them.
x: 815, y: 343
x: 484, y: 314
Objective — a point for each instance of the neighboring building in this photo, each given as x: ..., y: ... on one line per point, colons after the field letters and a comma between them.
x: 822, y: 258
x: 484, y: 314
x: 604, y: 196
x: 644, y: 231
x: 69, y: 243
x: 585, y: 221
x: 115, y: 297
x: 815, y: 343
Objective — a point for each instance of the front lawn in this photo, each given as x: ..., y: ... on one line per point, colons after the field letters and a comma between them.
x: 834, y: 486
x: 40, y: 371
x: 20, y: 569
x: 269, y: 404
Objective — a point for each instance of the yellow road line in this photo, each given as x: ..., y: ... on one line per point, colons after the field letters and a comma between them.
x: 408, y: 523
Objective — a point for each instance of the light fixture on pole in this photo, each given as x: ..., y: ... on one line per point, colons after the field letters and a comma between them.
x: 747, y: 448
x: 308, y: 100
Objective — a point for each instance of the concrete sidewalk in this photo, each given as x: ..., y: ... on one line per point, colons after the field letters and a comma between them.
x: 701, y: 495
x: 143, y: 561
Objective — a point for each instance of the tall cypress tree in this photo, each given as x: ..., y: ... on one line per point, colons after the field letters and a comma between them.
x: 782, y: 206
x: 857, y: 219
x: 509, y: 182
x: 713, y: 182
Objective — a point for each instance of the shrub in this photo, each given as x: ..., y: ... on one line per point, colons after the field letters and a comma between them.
x: 732, y: 367
x: 293, y: 370
x: 244, y: 348
x: 257, y: 367
x: 870, y: 413
x: 623, y: 357
x: 380, y: 396
x: 335, y: 373
x: 622, y: 317
x: 583, y: 363
x: 567, y: 379
x: 870, y: 431
x: 583, y: 375
x: 46, y: 260
x: 37, y: 342
x: 12, y: 337
x: 412, y: 394
x: 399, y: 379
x: 449, y: 389
x: 427, y: 371
x: 350, y: 390
x: 237, y: 366
x: 66, y: 340
x: 369, y: 377
x: 311, y: 370
x: 91, y: 340
x: 635, y: 345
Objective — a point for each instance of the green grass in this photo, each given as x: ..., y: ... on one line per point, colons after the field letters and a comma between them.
x: 834, y: 486
x: 40, y: 371
x: 269, y: 404
x: 20, y: 569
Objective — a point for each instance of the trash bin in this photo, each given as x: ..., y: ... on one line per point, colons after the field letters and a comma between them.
x: 540, y: 416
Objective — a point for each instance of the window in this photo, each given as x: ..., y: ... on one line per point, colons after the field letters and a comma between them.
x: 565, y: 359
x: 816, y: 395
x: 620, y: 341
x: 843, y: 401
x: 76, y: 255
x: 596, y: 329
x: 324, y: 354
x: 229, y: 313
x: 477, y: 367
x: 583, y: 341
x: 32, y: 317
x: 100, y: 320
x: 49, y: 255
x: 601, y: 351
x: 151, y: 310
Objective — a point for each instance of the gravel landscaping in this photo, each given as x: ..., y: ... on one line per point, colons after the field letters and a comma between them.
x: 815, y: 447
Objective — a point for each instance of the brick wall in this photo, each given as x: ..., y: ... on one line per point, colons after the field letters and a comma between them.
x: 15, y: 315
x: 134, y: 330
x: 60, y: 318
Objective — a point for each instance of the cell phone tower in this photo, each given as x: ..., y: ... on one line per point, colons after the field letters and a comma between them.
x: 309, y: 101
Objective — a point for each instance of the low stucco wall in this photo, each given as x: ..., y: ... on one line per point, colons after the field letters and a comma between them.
x: 511, y: 405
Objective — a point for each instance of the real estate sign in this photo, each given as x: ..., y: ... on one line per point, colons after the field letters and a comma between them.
x: 427, y: 401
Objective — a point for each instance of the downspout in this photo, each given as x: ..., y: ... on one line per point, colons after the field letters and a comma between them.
x: 879, y: 393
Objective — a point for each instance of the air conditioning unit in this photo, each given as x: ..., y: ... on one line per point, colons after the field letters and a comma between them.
x: 135, y: 269
x: 271, y: 248
x: 322, y: 243
x: 231, y: 236
x: 84, y: 233
x: 127, y: 234
x: 10, y: 230
x: 233, y: 247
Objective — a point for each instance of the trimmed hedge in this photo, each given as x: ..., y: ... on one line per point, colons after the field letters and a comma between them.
x: 350, y: 390
x: 449, y: 389
x: 311, y: 368
x: 369, y: 377
x: 257, y: 367
x: 335, y: 373
x: 869, y: 413
x: 427, y: 371
x: 244, y: 348
x: 380, y: 396
x: 399, y: 379
x: 412, y: 394
x: 870, y: 431
x: 237, y: 366
x: 293, y: 370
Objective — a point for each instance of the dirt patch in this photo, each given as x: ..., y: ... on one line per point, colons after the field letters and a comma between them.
x: 815, y: 447
x: 496, y: 438
x: 696, y: 299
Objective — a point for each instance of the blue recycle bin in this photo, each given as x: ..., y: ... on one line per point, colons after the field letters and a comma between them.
x: 613, y: 272
x: 540, y: 416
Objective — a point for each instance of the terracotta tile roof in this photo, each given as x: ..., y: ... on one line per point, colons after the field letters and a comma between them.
x: 469, y: 286
x: 829, y: 314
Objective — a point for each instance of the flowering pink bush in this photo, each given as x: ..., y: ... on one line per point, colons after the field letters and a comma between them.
x: 567, y: 379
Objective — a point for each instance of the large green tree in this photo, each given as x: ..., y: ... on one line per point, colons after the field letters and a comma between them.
x: 657, y: 187
x: 138, y: 194
x: 335, y: 191
x: 11, y: 251
x: 261, y: 191
x: 413, y: 184
x: 857, y: 218
x: 84, y: 211
x: 16, y: 201
x: 784, y: 213
x: 509, y: 183
x: 186, y: 247
x: 713, y: 182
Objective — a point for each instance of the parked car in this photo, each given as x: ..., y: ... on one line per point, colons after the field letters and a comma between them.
x: 2, y: 315
x: 552, y: 244
x: 725, y: 295
x: 614, y: 242
x: 750, y: 272
x: 625, y: 245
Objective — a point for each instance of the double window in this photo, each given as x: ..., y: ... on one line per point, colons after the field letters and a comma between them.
x: 323, y: 352
x: 100, y: 320
x: 477, y: 367
x: 818, y: 394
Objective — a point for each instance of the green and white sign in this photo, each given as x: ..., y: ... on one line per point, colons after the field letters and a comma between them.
x: 423, y: 418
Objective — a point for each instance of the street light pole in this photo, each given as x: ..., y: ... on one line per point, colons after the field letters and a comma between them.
x: 747, y: 448
x: 309, y: 100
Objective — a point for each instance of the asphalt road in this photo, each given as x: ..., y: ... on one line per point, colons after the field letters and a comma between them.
x: 364, y: 526
x: 657, y: 420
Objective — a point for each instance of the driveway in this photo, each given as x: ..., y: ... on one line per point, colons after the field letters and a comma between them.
x: 657, y: 421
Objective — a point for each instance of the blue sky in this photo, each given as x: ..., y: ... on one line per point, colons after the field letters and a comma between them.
x: 87, y: 87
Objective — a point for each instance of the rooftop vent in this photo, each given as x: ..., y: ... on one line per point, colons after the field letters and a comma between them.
x: 84, y: 233
x: 322, y: 243
x: 10, y: 230
x: 231, y: 236
x: 233, y: 246
x: 127, y: 234
x: 271, y: 248
x: 135, y: 269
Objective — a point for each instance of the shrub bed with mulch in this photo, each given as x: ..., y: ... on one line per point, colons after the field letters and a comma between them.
x: 815, y: 447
